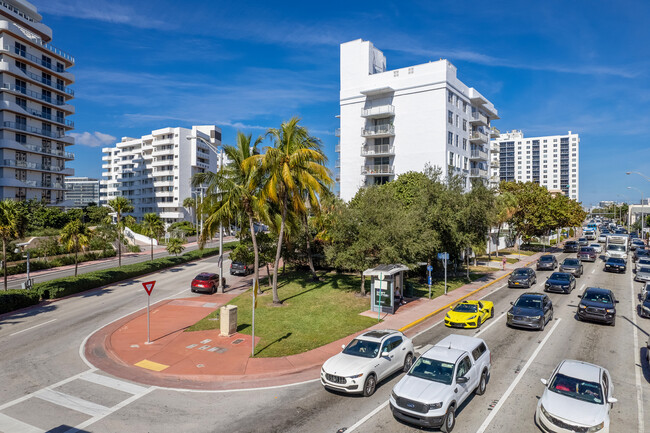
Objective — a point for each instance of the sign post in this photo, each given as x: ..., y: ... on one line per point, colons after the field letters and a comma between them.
x: 148, y: 287
x: 381, y: 277
x: 444, y: 257
x: 429, y: 269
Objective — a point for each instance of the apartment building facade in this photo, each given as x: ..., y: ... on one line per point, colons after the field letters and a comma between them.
x: 155, y: 171
x: 395, y: 121
x: 552, y: 161
x: 34, y: 109
x: 81, y: 191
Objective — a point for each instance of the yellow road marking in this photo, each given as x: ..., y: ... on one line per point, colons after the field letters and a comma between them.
x: 150, y: 365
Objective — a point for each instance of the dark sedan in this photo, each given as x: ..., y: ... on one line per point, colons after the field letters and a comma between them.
x: 547, y: 262
x: 636, y: 243
x: 530, y: 310
x: 571, y: 247
x: 587, y: 254
x: 598, y: 305
x: 640, y: 253
x: 645, y: 306
x: 614, y: 264
x: 561, y: 282
x: 572, y: 266
x: 522, y: 277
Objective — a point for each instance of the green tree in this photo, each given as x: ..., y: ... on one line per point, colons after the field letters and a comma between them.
x: 75, y: 236
x: 120, y: 206
x: 153, y: 227
x: 11, y: 224
x: 175, y: 246
x: 292, y: 165
x: 50, y: 246
x: 96, y: 214
x: 505, y: 207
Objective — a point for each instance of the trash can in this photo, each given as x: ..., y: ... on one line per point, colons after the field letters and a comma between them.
x: 228, y: 320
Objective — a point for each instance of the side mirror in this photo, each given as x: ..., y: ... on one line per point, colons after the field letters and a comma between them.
x: 512, y: 303
x: 385, y: 352
x: 579, y: 296
x: 612, y: 400
x: 616, y: 301
x: 544, y: 381
x: 342, y: 346
x: 462, y: 379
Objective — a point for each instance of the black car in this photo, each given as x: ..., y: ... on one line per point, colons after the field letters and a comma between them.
x: 522, y: 277
x: 583, y: 242
x: 571, y: 247
x: 636, y: 243
x: 572, y: 266
x: 614, y: 264
x: 560, y: 282
x: 240, y: 268
x: 645, y: 306
x: 547, y: 261
x: 640, y: 253
x: 530, y: 310
x: 598, y: 305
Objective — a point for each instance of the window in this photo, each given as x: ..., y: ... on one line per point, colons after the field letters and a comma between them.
x: 464, y: 124
x: 450, y: 96
x: 450, y: 117
x: 457, y: 117
x: 464, y: 107
x: 456, y: 140
x: 451, y: 158
x: 450, y: 137
x: 22, y: 66
x: 463, y: 367
x: 464, y: 144
x: 22, y: 102
x: 21, y: 138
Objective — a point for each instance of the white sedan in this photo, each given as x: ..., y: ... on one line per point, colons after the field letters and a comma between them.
x: 577, y: 397
x: 368, y: 359
x: 597, y: 247
x: 602, y: 239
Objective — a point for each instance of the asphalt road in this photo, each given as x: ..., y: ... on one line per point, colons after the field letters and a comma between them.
x: 40, y: 348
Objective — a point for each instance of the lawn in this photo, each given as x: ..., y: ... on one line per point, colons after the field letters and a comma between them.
x: 312, y: 314
x: 438, y: 286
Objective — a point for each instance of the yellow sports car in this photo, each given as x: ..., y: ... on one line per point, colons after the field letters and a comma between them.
x: 469, y: 314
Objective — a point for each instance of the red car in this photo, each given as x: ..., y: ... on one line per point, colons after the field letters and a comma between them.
x: 205, y: 282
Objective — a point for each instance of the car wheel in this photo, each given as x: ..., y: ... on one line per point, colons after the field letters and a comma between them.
x: 450, y: 420
x: 213, y: 290
x: 491, y: 312
x: 408, y: 362
x: 369, y: 385
x: 613, y: 321
x: 482, y: 385
x: 543, y: 324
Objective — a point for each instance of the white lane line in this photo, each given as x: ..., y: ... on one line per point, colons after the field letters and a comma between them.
x: 367, y: 417
x: 593, y: 270
x: 32, y: 327
x: 494, y: 321
x: 583, y: 287
x: 514, y: 383
x: 72, y: 402
x: 9, y: 424
x: 637, y: 369
x: 109, y: 382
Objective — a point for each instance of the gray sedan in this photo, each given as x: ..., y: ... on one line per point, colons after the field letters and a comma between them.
x: 572, y: 266
x: 642, y: 274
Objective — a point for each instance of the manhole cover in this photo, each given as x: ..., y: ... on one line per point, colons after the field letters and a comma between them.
x: 237, y: 341
x: 217, y: 349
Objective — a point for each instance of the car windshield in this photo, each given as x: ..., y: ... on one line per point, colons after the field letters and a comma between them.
x: 546, y: 259
x: 594, y: 246
x: 602, y: 298
x: 647, y: 297
x: 582, y: 239
x: 431, y: 369
x: 616, y: 261
x: 587, y: 250
x: 571, y: 262
x: 202, y: 277
x: 640, y: 252
x: 520, y: 273
x: 362, y: 348
x: 560, y: 276
x: 529, y: 302
x: 644, y: 262
x: 577, y: 388
x: 465, y: 308
x: 644, y: 270
x: 616, y: 248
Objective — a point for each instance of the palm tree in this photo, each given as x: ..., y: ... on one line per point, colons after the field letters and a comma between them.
x: 153, y: 227
x: 175, y: 246
x: 75, y: 236
x: 190, y: 203
x: 233, y: 191
x: 10, y: 228
x: 295, y: 163
x: 120, y: 205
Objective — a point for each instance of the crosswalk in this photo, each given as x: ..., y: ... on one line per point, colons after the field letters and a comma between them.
x: 62, y: 401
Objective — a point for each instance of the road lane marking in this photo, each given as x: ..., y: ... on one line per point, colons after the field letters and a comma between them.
x: 109, y: 382
x: 32, y: 327
x: 494, y: 321
x: 9, y: 424
x: 150, y: 365
x: 637, y: 372
x: 71, y: 402
x: 367, y: 417
x: 517, y: 379
x: 583, y: 287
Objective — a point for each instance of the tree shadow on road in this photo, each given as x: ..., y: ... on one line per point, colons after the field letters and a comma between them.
x: 15, y: 317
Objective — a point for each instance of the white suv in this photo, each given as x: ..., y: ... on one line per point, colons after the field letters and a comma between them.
x: 440, y: 381
x: 368, y: 359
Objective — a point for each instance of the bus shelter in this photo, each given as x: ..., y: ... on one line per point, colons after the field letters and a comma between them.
x: 384, y: 279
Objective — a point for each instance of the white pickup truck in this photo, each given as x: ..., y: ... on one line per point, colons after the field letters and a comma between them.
x: 440, y: 381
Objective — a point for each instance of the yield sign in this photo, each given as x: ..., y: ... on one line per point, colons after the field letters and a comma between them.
x: 149, y: 287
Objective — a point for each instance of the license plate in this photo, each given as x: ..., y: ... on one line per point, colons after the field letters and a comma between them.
x: 457, y: 325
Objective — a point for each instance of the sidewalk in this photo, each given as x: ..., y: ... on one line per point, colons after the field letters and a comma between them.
x: 206, y: 361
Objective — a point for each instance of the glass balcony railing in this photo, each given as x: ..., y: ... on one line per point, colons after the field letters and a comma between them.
x: 478, y: 172
x: 49, y: 116
x: 40, y: 149
x: 479, y: 117
x: 377, y: 169
x: 32, y: 165
x: 47, y: 81
x: 478, y: 154
x: 39, y: 131
x: 478, y: 136
x: 35, y: 59
x: 33, y: 94
x: 375, y: 130
x: 380, y: 111
x: 382, y: 149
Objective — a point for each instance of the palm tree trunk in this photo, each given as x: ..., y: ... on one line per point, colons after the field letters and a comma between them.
x: 496, y: 249
x: 152, y: 249
x: 76, y: 261
x: 119, y: 242
x: 276, y: 298
x: 4, y: 260
x: 314, y: 275
x: 363, y: 284
x: 257, y: 255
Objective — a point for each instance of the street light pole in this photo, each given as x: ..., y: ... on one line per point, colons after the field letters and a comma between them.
x: 642, y: 213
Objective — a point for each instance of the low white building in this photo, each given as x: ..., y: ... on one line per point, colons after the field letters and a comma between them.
x: 395, y: 121
x: 552, y: 161
x: 155, y: 171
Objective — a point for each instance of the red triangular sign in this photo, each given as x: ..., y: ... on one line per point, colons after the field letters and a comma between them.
x: 149, y: 287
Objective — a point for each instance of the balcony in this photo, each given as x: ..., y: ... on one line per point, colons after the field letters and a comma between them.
x: 35, y: 166
x: 478, y: 137
x: 47, y: 82
x: 371, y: 170
x: 478, y: 118
x: 35, y: 59
x: 48, y: 116
x: 478, y: 154
x: 38, y: 96
x: 380, y: 150
x: 378, y: 112
x: 337, y: 132
x: 478, y: 172
x: 495, y: 148
x: 378, y: 131
x: 494, y: 132
x: 337, y: 164
x: 494, y: 163
x: 37, y: 184
x: 24, y: 127
x: 337, y: 149
x: 54, y: 152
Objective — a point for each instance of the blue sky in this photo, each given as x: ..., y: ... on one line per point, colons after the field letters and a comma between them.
x: 548, y: 67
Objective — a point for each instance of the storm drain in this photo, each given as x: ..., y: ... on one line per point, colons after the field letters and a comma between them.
x: 217, y: 349
x: 237, y: 341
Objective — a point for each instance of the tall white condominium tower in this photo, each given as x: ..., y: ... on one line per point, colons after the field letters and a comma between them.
x: 551, y: 161
x: 34, y: 81
x: 155, y: 171
x: 397, y: 121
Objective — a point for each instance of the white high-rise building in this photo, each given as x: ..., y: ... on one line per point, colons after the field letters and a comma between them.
x: 397, y: 121
x: 552, y: 161
x: 155, y: 171
x: 35, y: 103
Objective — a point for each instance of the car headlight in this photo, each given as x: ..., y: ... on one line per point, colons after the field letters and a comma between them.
x: 433, y: 406
x: 548, y: 284
x: 546, y: 414
x: 582, y: 306
x: 536, y: 317
x: 509, y: 314
x: 610, y: 310
x: 354, y: 377
x: 472, y: 317
x: 447, y: 316
x: 392, y: 394
x: 596, y: 428
x: 645, y: 308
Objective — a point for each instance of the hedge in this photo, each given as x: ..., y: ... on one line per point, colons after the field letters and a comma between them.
x: 37, y: 265
x: 15, y: 299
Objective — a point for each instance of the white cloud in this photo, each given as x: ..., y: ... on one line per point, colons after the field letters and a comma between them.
x: 100, y: 10
x: 96, y: 139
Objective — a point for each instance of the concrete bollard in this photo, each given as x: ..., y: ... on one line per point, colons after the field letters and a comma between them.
x: 228, y: 320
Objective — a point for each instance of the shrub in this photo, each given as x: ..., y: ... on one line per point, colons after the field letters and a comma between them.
x: 15, y: 299
x: 553, y: 241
